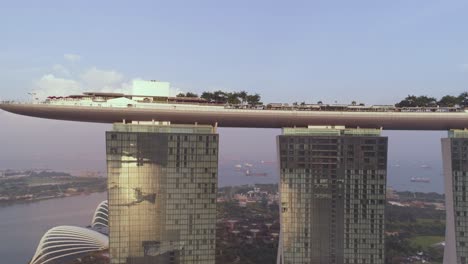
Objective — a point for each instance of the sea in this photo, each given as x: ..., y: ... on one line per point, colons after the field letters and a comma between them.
x: 399, y: 174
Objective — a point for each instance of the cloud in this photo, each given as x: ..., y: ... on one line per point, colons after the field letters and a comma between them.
x: 61, y: 82
x: 173, y: 91
x: 124, y: 87
x: 49, y: 85
x: 60, y: 70
x: 72, y: 57
x: 97, y: 79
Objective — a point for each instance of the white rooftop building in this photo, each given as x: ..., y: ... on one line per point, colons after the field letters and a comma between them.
x: 150, y: 88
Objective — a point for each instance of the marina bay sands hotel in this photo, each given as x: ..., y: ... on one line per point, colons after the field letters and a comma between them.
x: 162, y: 159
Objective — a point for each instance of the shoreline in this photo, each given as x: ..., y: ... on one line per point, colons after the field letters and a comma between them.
x: 34, y: 200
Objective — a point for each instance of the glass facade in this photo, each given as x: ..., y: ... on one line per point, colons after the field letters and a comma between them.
x: 455, y: 157
x: 332, y: 187
x: 162, y: 186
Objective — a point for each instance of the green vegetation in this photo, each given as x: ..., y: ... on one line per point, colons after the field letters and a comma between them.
x: 271, y: 188
x: 248, y: 251
x: 38, y: 186
x: 219, y: 96
x: 417, y: 101
x: 38, y: 181
x: 241, y: 97
x: 244, y: 248
x: 49, y: 174
x: 426, y: 197
x: 397, y: 214
x: 425, y: 241
x: 413, y: 230
x: 189, y: 94
x: 425, y: 101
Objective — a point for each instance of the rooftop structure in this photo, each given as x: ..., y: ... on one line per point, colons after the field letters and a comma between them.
x: 151, y: 88
x: 65, y: 243
x: 101, y: 215
x: 151, y: 101
x: 176, y: 111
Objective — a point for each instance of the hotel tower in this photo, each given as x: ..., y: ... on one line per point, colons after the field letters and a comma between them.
x: 332, y: 187
x: 455, y: 161
x: 162, y: 186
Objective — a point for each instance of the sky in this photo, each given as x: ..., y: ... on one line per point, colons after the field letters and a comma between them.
x: 374, y: 52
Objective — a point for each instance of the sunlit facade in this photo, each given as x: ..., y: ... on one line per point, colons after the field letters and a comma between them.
x: 455, y: 161
x: 162, y: 185
x: 332, y: 187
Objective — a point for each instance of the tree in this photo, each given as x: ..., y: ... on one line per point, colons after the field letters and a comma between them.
x: 417, y: 101
x: 233, y: 98
x: 449, y: 101
x: 409, y: 101
x: 208, y: 96
x: 253, y: 99
x: 220, y: 96
x: 229, y: 97
x: 243, y: 96
x: 353, y: 103
x: 180, y: 95
x: 463, y: 98
x: 426, y: 101
x: 189, y: 94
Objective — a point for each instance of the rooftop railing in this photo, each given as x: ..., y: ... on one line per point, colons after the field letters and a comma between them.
x: 210, y: 107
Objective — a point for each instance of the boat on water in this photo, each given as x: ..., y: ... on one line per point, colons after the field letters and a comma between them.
x: 255, y: 174
x: 420, y: 180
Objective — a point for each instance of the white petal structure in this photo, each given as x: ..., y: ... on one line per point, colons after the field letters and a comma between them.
x: 64, y: 242
x: 101, y: 215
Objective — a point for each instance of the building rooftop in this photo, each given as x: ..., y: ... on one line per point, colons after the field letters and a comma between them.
x: 228, y: 117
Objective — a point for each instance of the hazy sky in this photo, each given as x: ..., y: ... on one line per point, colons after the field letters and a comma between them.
x: 375, y: 52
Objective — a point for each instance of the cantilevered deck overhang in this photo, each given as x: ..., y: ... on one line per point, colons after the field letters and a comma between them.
x: 247, y: 117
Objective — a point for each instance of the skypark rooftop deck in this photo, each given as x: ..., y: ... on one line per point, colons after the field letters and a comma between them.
x: 228, y: 117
